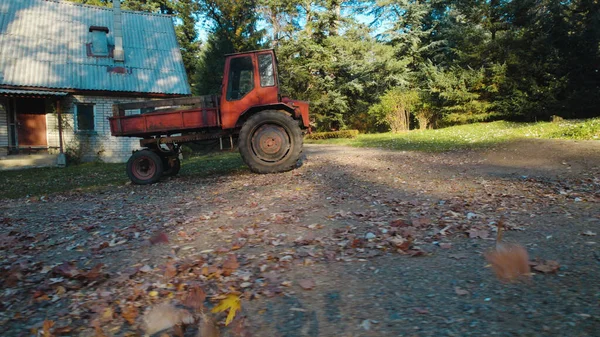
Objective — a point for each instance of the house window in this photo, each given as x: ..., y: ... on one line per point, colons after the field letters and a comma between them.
x: 267, y: 77
x: 241, y: 78
x: 84, y: 115
x: 99, y: 45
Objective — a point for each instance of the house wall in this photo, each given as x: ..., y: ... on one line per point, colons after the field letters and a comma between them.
x: 3, y: 130
x: 96, y: 145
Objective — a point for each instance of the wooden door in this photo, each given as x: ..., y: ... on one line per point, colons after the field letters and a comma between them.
x: 31, y: 130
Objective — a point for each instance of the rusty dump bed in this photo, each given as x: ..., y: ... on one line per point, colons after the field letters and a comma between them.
x: 164, y: 117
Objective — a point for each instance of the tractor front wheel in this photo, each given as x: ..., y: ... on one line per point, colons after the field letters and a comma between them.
x: 144, y: 167
x: 270, y: 141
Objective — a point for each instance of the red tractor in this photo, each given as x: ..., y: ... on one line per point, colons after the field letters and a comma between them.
x: 267, y: 127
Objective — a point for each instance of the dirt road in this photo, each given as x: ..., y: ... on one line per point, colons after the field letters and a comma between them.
x: 355, y: 242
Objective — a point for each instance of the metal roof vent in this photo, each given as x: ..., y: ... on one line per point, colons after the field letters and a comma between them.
x: 99, y: 45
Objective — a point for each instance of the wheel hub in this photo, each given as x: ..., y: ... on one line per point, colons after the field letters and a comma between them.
x: 143, y: 168
x: 270, y: 142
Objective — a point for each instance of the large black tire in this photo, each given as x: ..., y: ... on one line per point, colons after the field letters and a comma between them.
x: 144, y: 167
x: 270, y: 141
x: 171, y: 166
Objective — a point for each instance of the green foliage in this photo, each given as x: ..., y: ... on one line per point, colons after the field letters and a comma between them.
x: 395, y: 108
x: 332, y: 134
x: 340, y: 76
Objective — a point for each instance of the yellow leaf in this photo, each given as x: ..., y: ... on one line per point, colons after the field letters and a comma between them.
x: 231, y: 302
x: 153, y: 293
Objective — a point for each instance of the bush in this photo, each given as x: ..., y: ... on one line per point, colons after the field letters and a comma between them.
x: 333, y: 134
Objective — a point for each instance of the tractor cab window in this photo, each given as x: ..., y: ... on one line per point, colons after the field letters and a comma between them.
x: 241, y: 78
x: 265, y: 66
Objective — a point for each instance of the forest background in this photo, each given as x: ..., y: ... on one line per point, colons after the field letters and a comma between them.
x: 394, y: 65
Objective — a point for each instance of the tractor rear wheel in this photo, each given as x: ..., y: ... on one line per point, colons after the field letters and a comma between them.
x: 270, y: 141
x: 144, y: 167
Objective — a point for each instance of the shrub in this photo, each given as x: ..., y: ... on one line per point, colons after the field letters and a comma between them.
x: 333, y: 134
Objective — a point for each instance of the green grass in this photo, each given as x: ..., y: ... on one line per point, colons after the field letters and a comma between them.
x: 38, y: 182
x: 43, y: 181
x: 472, y: 136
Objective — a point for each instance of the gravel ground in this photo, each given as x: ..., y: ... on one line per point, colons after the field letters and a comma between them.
x: 317, y: 247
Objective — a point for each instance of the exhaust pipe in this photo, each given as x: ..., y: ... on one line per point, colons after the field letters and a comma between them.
x: 119, y: 53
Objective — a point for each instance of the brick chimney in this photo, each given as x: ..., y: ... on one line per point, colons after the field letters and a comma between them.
x: 119, y: 53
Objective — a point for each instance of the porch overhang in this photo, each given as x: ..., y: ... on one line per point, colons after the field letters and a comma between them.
x: 31, y: 93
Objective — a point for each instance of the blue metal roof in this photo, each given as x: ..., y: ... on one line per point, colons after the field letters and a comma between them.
x: 43, y: 43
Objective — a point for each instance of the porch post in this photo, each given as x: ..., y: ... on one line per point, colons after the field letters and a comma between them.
x: 62, y: 159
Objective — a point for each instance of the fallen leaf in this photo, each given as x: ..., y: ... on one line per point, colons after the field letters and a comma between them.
x: 207, y: 328
x: 130, y: 313
x: 546, y: 267
x: 97, y: 328
x: 170, y: 270
x: 67, y: 270
x: 399, y: 223
x: 195, y: 298
x: 230, y: 265
x: 165, y: 316
x: 231, y: 303
x: 445, y: 245
x: 107, y: 315
x: 94, y: 274
x: 159, y: 238
x: 421, y: 311
x: 46, y: 328
x: 478, y: 233
x: 460, y: 291
x: 510, y: 262
x: 306, y: 284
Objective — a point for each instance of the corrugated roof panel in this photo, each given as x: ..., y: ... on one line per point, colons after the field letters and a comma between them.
x: 44, y: 43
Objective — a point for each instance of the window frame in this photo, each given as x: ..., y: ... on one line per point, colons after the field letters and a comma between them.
x: 230, y: 78
x: 273, y: 77
x: 76, y: 118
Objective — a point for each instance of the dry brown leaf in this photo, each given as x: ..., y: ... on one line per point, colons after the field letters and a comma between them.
x: 170, y: 270
x: 306, y: 284
x: 510, y: 262
x: 460, y: 291
x: 159, y: 238
x: 94, y: 274
x: 97, y: 328
x: 195, y: 298
x: 46, y: 328
x: 239, y: 328
x: 130, y: 313
x: 208, y: 328
x: 478, y: 233
x: 165, y: 316
x: 546, y: 267
x: 230, y: 265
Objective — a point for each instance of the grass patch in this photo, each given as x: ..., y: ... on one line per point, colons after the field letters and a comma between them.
x: 43, y: 181
x: 471, y: 136
x: 38, y: 182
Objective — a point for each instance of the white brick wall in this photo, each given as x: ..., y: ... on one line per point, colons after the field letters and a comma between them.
x: 97, y: 145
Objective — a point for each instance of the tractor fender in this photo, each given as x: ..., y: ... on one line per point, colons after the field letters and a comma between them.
x: 292, y: 111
